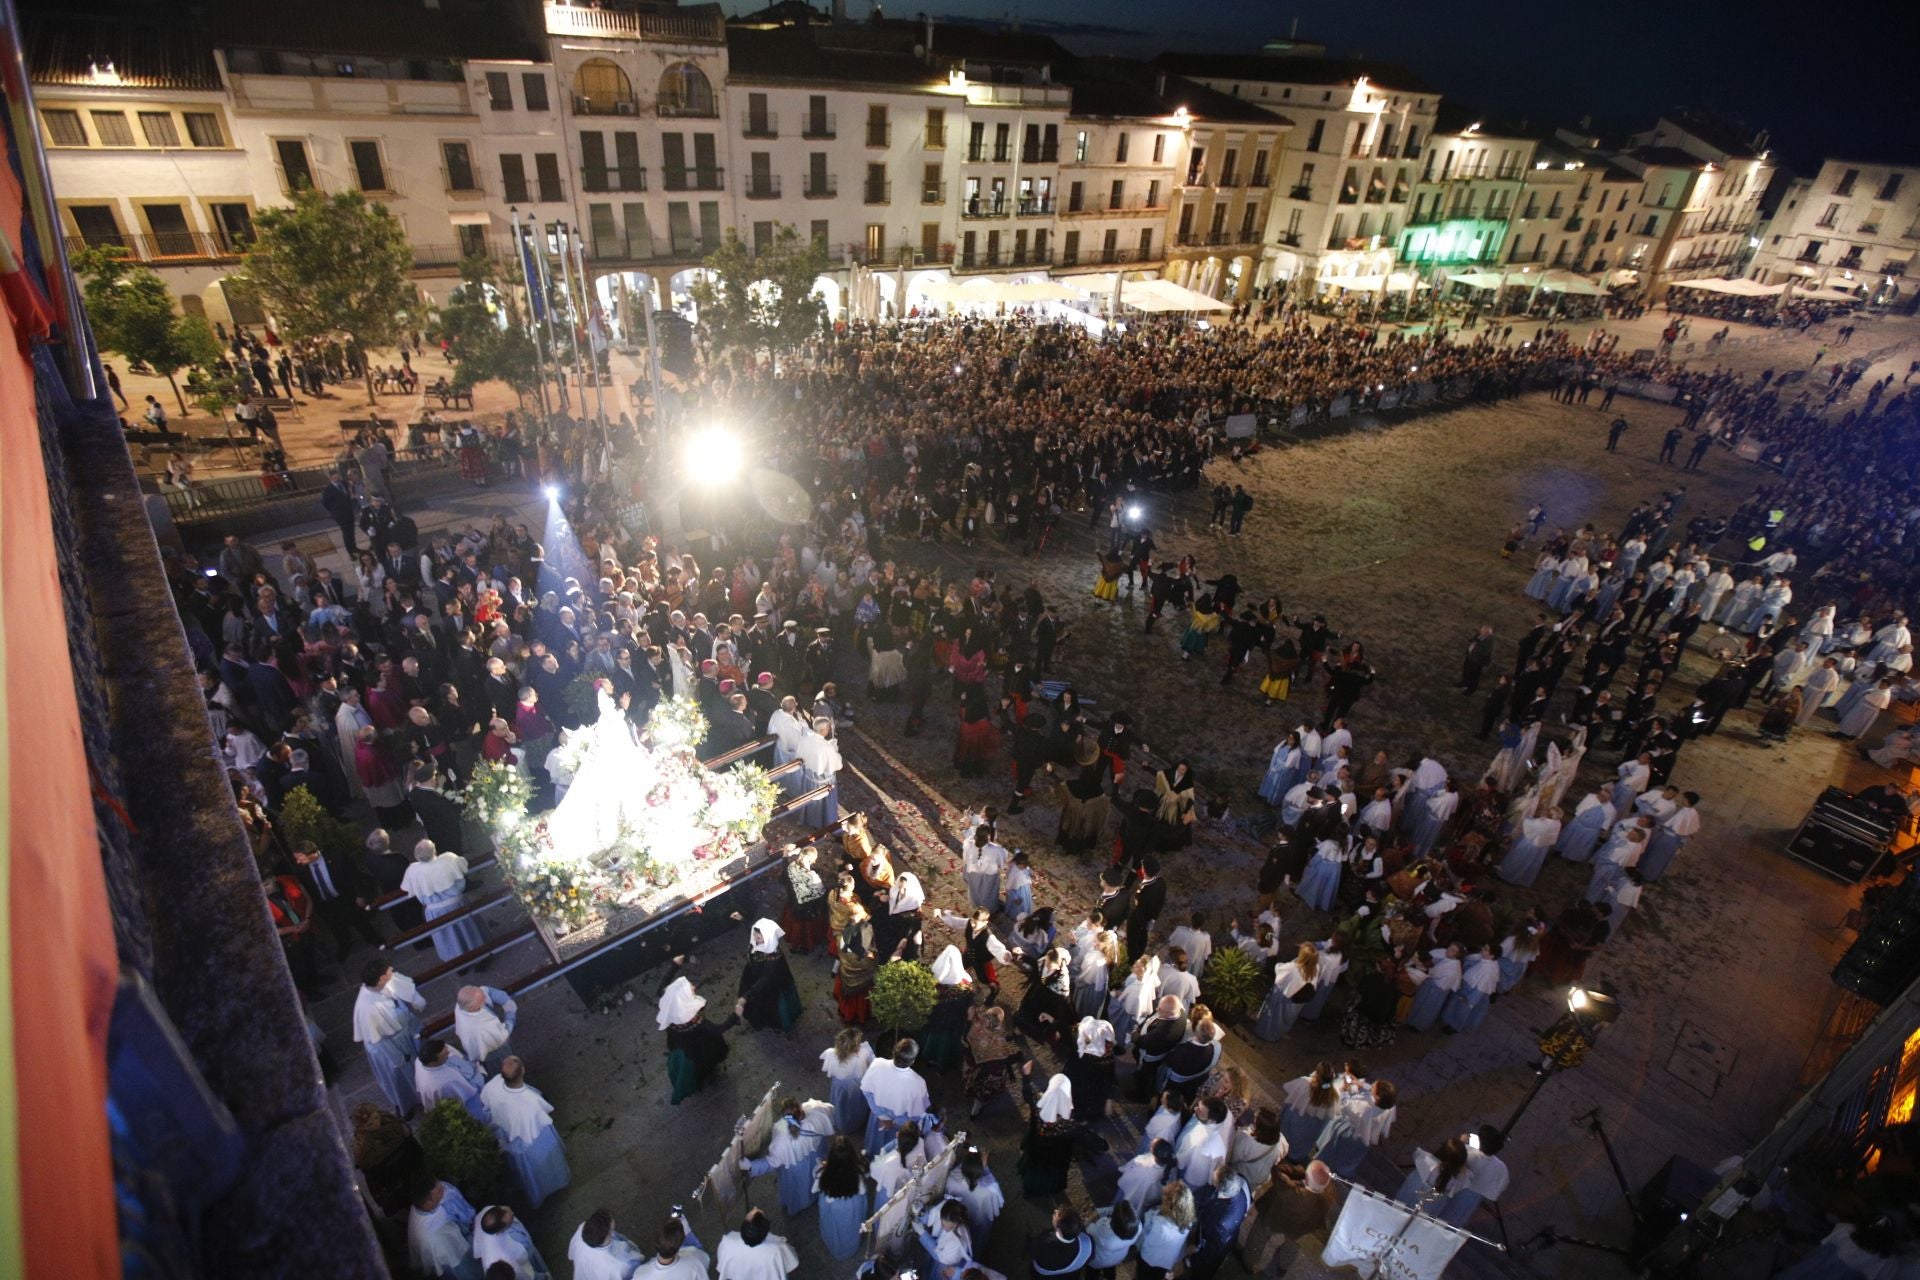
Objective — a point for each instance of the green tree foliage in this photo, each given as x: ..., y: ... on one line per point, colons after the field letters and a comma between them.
x: 485, y: 349
x: 461, y: 1150
x: 903, y: 996
x: 765, y: 300
x: 334, y: 266
x: 302, y: 817
x: 1232, y: 985
x: 132, y: 312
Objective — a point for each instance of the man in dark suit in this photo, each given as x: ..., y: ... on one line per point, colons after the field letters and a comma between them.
x: 438, y: 815
x: 1149, y: 900
x: 1116, y: 896
x: 339, y: 894
x: 1479, y: 657
x: 337, y: 500
x: 388, y: 866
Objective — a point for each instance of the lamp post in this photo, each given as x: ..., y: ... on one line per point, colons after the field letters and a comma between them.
x: 1562, y: 1046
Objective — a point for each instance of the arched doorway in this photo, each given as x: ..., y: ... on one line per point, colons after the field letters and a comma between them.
x: 829, y: 291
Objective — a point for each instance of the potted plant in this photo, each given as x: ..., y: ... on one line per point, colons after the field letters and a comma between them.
x: 303, y: 817
x: 1231, y: 986
x: 902, y: 1000
x: 461, y: 1150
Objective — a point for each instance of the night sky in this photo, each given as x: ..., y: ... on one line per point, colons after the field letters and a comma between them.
x: 1834, y: 79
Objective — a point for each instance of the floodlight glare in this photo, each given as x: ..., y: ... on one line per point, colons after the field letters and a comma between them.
x: 713, y: 457
x: 552, y: 491
x: 1133, y: 512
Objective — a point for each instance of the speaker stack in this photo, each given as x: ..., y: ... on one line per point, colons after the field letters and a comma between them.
x: 1843, y: 838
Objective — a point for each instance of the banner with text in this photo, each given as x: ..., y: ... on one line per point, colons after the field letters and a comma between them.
x: 1384, y: 1238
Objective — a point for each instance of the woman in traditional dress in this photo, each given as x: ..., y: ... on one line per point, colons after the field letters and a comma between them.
x: 1528, y: 853
x: 1165, y: 1233
x: 1362, y: 1121
x: 886, y: 668
x: 1545, y: 570
x: 695, y: 1047
x: 1307, y: 1103
x: 853, y: 977
x: 1175, y: 813
x: 1046, y: 1153
x: 978, y: 1191
x: 1333, y: 963
x: 942, y: 1038
x: 1284, y: 769
x: 1591, y: 821
x: 1083, y: 799
x: 1091, y: 1069
x: 1202, y: 621
x: 1106, y: 583
x: 1283, y: 659
x: 1517, y: 951
x: 805, y: 917
x: 1093, y: 973
x: 844, y: 1064
x: 991, y: 1057
x: 1320, y: 886
x: 794, y: 1151
x: 976, y: 738
x: 1442, y: 980
x: 1434, y: 817
x: 843, y: 1197
x: 1479, y: 980
x: 900, y: 932
x: 945, y: 1239
x: 1372, y: 1020
x: 768, y: 996
x: 1293, y: 987
x: 842, y: 902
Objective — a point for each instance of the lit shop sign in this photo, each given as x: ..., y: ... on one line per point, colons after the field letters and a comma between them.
x: 1458, y: 240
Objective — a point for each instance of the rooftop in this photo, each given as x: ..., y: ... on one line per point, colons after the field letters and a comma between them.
x: 1666, y: 157
x: 451, y: 29
x: 1290, y: 69
x: 143, y: 52
x: 1119, y: 87
x: 798, y: 53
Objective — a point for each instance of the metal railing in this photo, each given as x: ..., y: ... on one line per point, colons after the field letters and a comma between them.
x: 588, y: 105
x: 579, y: 20
x: 819, y: 126
x: 876, y: 192
x: 164, y: 247
x: 1228, y: 180
x: 1301, y: 191
x: 763, y: 186
x: 879, y: 135
x: 933, y: 193
x: 692, y: 177
x: 933, y: 140
x: 671, y: 109
x: 1002, y: 260
x: 609, y: 178
x: 985, y: 207
x: 764, y: 125
x: 209, y: 500
x: 1033, y: 207
x: 292, y: 183
x: 1042, y: 154
x: 821, y: 187
x: 1259, y: 180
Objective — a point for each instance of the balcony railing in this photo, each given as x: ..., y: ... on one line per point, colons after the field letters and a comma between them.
x: 541, y: 192
x: 1045, y: 153
x: 763, y: 186
x: 1259, y: 180
x: 166, y: 246
x: 604, y: 178
x: 1216, y: 239
x: 1574, y: 223
x: 821, y: 187
x: 1301, y: 191
x: 1228, y: 180
x: 692, y: 178
x: 1002, y: 260
x: 1033, y: 207
x: 586, y: 105
x: 1828, y: 223
x: 934, y: 140
x: 1106, y: 206
x: 879, y: 135
x: 766, y: 124
x: 876, y: 192
x: 677, y: 28
x: 1869, y: 229
x: 1289, y: 238
x: 1349, y: 195
x: 293, y: 182
x: 672, y: 109
x: 549, y: 191
x: 617, y: 249
x: 437, y: 257
x: 933, y: 193
x: 986, y: 207
x: 819, y: 126
x: 461, y: 185
x: 1808, y: 255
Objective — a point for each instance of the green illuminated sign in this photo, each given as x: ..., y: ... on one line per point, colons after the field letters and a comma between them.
x: 1455, y: 241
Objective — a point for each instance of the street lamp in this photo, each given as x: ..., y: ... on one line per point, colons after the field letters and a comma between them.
x: 1564, y: 1045
x: 714, y: 457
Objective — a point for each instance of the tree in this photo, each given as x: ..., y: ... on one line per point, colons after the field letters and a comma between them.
x: 333, y: 266
x: 754, y: 300
x: 485, y: 335
x: 132, y: 312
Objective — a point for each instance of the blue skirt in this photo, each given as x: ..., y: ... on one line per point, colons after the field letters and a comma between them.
x: 1301, y: 1131
x: 1428, y: 1001
x: 1279, y: 781
x: 823, y: 811
x: 1578, y: 841
x: 1320, y: 884
x: 849, y: 1105
x: 840, y: 1219
x: 796, y: 1188
x: 1522, y: 864
x: 1466, y: 1010
x: 1322, y: 992
x: 1341, y: 1148
x: 1278, y: 1013
x: 392, y: 1062
x: 1661, y: 851
x: 1020, y: 901
x: 1426, y: 831
x: 1540, y: 583
x: 1512, y: 969
x: 539, y: 1167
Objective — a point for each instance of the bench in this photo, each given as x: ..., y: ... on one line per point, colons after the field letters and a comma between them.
x: 452, y: 399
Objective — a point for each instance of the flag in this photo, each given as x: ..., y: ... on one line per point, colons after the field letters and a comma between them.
x: 536, y: 282
x: 596, y: 331
x: 1383, y: 1237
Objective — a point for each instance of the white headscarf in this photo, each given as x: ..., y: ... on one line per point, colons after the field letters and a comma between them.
x: 948, y: 968
x: 678, y: 1004
x: 1057, y: 1103
x: 906, y: 894
x: 765, y: 936
x: 1094, y: 1036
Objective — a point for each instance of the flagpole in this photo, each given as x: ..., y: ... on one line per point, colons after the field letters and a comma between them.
x: 593, y: 353
x: 573, y: 328
x: 653, y: 364
x: 545, y: 269
x: 535, y: 308
x: 1415, y: 1213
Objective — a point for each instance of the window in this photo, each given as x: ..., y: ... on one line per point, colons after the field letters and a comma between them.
x: 929, y: 241
x: 546, y: 172
x: 936, y: 128
x: 633, y: 218
x: 876, y: 242
x: 499, y: 91
x: 1120, y: 148
x: 1117, y: 193
x: 680, y: 228
x: 967, y: 241
x: 158, y: 126
x: 368, y: 172
x: 762, y: 238
x: 601, y: 88
x: 1844, y: 187
x: 1110, y: 245
x: 878, y: 131
x: 472, y: 241
x: 1229, y: 167
x: 818, y: 233
x: 168, y: 222
x: 112, y: 129
x: 1890, y: 189
x: 1002, y: 143
x: 976, y: 140
x: 1319, y: 131
x: 1080, y: 147
x: 818, y: 183
x: 1153, y: 194
x: 1070, y: 248
x: 1075, y: 197
x: 456, y: 165
x: 685, y: 91
x: 759, y: 123
x: 1249, y: 223
x: 64, y: 128
x: 296, y: 173
x: 1146, y: 243
x: 1159, y: 148
x: 96, y: 224
x: 932, y: 191
x: 603, y: 233
x: 534, y: 85
x: 819, y: 123
x: 1219, y: 228
x: 203, y: 129
x: 513, y: 180
x: 234, y: 223
x: 1186, y: 222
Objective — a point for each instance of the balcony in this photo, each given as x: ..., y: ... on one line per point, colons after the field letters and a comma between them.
x: 1349, y: 195
x: 1574, y: 223
x: 1228, y: 180
x: 1868, y: 229
x: 1507, y: 173
x: 764, y: 125
x: 988, y: 206
x: 1216, y: 239
x: 1850, y: 261
x: 294, y: 181
x: 606, y: 178
x: 1811, y: 256
x: 461, y: 186
x: 618, y: 24
x: 933, y: 140
x: 879, y: 135
x: 1827, y: 223
x: 1045, y: 153
x: 1359, y: 152
x: 933, y: 193
x: 1033, y: 207
x: 763, y: 186
x: 819, y: 126
x: 876, y: 192
x: 540, y: 192
x: 585, y: 105
x: 692, y: 178
x: 1301, y: 191
x: 168, y: 246
x: 1003, y: 260
x: 1291, y: 239
x: 819, y: 186
x: 1260, y: 181
x: 437, y: 257
x: 682, y: 109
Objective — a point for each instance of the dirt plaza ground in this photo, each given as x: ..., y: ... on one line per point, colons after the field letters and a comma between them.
x: 1392, y: 531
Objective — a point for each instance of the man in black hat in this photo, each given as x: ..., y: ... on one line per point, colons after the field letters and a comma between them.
x: 819, y: 658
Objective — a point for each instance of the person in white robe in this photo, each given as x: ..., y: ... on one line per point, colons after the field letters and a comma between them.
x: 1864, y: 713
x: 1283, y: 771
x: 895, y: 1094
x: 1712, y: 591
x: 1361, y: 1120
x: 348, y: 721
x: 437, y: 880
x: 442, y: 1071
x: 1820, y: 685
x: 483, y: 1019
x: 1670, y: 837
x: 440, y: 1234
x: 1202, y: 1146
x: 1429, y: 776
x: 1658, y: 805
x: 677, y: 1254
x: 794, y: 1151
x: 754, y: 1252
x: 1591, y: 821
x: 1631, y: 778
x: 1377, y: 817
x: 1890, y: 639
x: 1623, y: 850
x: 819, y: 756
x: 386, y: 1023
x: 500, y: 1237
x: 1434, y: 816
x: 902, y: 1161
x: 1479, y: 979
x: 1294, y: 803
x: 522, y: 1119
x: 1430, y: 998
x: 787, y: 729
x: 1528, y: 852
x: 598, y: 1252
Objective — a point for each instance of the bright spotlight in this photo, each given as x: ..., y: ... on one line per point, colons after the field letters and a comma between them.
x: 1576, y: 999
x: 714, y: 456
x: 552, y: 491
x: 1134, y: 512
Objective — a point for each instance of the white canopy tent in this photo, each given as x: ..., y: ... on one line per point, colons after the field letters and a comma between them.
x: 1569, y: 282
x: 1396, y: 282
x: 1147, y: 295
x: 1481, y: 279
x: 1737, y: 288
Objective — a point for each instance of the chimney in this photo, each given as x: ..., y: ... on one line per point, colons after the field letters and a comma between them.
x: 926, y: 26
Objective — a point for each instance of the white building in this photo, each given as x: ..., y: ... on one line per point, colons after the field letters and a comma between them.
x: 1854, y: 224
